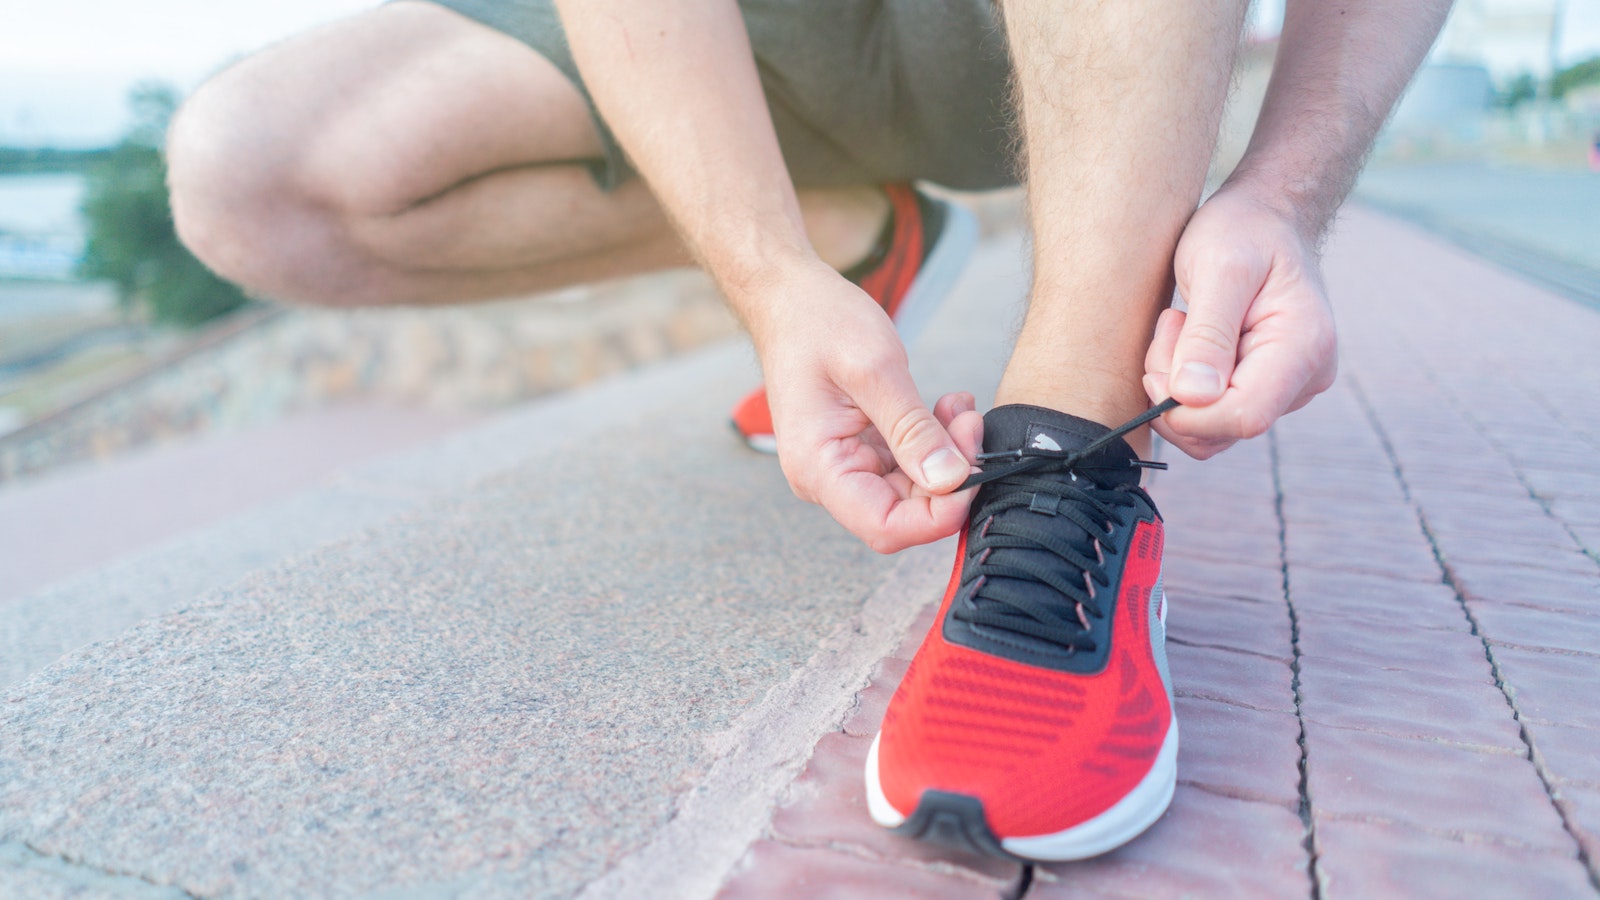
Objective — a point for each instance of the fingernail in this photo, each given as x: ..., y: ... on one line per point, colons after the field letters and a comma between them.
x: 1198, y: 379
x: 943, y: 466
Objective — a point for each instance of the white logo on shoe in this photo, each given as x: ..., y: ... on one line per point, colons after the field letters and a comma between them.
x: 1042, y: 441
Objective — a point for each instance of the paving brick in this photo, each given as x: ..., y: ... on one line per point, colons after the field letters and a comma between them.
x: 1355, y: 550
x: 1407, y: 704
x: 1226, y: 676
x: 1588, y: 537
x: 1320, y: 594
x: 1212, y: 542
x: 827, y: 806
x: 1575, y: 455
x: 1476, y: 492
x: 1570, y: 753
x: 1453, y: 654
x: 1261, y: 628
x: 1531, y: 526
x: 1354, y: 453
x: 1205, y: 846
x: 1185, y: 574
x: 1582, y: 808
x: 1546, y: 590
x: 874, y: 698
x: 1324, y: 526
x: 1428, y: 478
x: 1243, y: 753
x: 771, y: 869
x: 1566, y: 556
x: 1576, y: 510
x: 1578, y: 484
x: 1223, y: 515
x: 1310, y: 485
x: 1551, y: 687
x: 1433, y: 787
x: 1361, y: 859
x: 1505, y: 623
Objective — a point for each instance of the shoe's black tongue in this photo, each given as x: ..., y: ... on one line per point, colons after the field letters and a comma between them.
x: 1007, y: 428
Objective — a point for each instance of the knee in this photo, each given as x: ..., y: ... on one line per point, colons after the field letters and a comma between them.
x: 240, y: 205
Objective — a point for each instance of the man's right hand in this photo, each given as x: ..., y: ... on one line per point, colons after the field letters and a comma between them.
x: 853, y: 433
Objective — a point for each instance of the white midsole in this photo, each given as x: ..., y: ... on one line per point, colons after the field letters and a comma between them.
x: 1123, y: 822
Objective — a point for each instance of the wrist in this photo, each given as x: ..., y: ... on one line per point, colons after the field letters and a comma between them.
x: 1297, y: 196
x: 765, y: 290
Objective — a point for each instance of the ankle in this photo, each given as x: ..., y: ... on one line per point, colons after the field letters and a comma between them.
x: 844, y: 224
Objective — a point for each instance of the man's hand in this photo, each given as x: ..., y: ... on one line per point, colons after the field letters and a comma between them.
x: 1258, y: 338
x: 853, y: 434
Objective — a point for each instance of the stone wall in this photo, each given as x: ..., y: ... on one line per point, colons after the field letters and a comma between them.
x: 270, y: 361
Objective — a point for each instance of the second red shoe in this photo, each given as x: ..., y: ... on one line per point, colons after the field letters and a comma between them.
x: 922, y: 251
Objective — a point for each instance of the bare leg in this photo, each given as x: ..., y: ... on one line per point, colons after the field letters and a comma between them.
x: 411, y: 155
x: 1120, y: 106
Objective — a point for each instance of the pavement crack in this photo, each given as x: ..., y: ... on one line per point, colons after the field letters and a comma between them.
x: 1218, y: 698
x: 1209, y: 646
x: 1484, y: 749
x: 1233, y: 793
x: 1593, y: 553
x: 85, y: 875
x: 1313, y: 851
x: 1546, y: 778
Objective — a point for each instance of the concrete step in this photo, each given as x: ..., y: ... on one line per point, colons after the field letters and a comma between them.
x: 503, y: 663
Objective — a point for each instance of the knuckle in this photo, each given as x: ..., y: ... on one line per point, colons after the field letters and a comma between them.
x: 1231, y: 266
x: 870, y: 367
x: 1253, y: 423
x: 912, y: 428
x: 1210, y: 334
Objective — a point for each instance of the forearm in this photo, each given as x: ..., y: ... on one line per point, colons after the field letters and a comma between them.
x: 1340, y: 67
x: 677, y: 83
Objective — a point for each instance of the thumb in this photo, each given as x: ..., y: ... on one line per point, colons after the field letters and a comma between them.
x: 921, y: 446
x: 1218, y: 294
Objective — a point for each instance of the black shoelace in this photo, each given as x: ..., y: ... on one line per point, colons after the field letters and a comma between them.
x: 996, y: 593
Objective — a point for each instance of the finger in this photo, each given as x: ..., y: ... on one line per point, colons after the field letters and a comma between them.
x: 1219, y: 290
x: 920, y: 444
x: 967, y: 431
x: 1158, y: 359
x: 958, y: 414
x: 1266, y: 384
x: 952, y: 405
x: 870, y: 507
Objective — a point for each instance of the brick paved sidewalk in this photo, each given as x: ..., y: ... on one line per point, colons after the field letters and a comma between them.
x: 1385, y: 621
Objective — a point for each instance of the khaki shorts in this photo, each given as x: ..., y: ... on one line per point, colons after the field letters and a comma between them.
x: 861, y: 91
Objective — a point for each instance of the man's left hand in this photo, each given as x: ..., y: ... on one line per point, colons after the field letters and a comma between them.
x: 1258, y: 338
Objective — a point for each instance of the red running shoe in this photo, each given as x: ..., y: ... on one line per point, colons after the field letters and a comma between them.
x: 1036, y: 720
x: 923, y: 249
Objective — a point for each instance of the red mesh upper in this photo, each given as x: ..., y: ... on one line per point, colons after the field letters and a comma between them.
x: 1043, y: 750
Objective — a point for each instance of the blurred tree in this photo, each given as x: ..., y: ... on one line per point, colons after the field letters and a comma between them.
x: 1586, y: 72
x: 132, y: 242
x: 1520, y: 90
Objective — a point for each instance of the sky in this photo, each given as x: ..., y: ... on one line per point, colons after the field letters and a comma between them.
x: 66, y: 65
